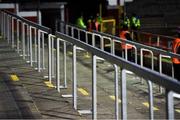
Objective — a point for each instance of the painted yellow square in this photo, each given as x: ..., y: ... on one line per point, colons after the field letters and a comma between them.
x: 177, y: 110
x: 14, y: 78
x: 48, y: 84
x: 84, y: 92
x: 147, y: 105
x: 113, y: 98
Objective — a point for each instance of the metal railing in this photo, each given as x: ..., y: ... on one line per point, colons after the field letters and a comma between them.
x: 32, y: 33
x: 114, y: 43
x: 152, y: 76
x: 26, y: 37
x: 112, y: 40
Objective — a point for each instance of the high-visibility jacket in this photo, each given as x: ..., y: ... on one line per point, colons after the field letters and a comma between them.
x: 80, y: 23
x: 122, y: 35
x: 135, y: 22
x: 175, y: 47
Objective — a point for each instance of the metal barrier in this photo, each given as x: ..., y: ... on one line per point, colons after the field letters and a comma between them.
x: 54, y: 60
x: 150, y: 75
x: 23, y: 35
x: 136, y: 46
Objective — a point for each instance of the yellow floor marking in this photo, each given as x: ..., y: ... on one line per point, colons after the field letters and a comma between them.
x: 87, y: 55
x: 70, y: 53
x: 113, y: 98
x: 84, y: 92
x: 50, y: 85
x: 177, y: 110
x: 14, y: 78
x: 147, y: 105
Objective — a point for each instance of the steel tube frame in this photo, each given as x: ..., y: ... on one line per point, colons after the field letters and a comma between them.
x: 123, y: 95
x: 30, y: 41
x: 74, y: 78
x: 17, y: 36
x: 12, y: 30
x: 116, y: 84
x: 64, y: 61
x: 49, y: 59
x: 58, y: 65
x: 39, y: 51
x: 94, y: 88
x: 150, y: 88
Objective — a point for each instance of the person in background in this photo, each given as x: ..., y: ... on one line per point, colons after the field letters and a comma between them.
x: 125, y: 21
x: 135, y: 25
x: 176, y: 61
x: 80, y: 22
x: 90, y: 24
x: 135, y: 22
x: 98, y: 22
x: 125, y: 35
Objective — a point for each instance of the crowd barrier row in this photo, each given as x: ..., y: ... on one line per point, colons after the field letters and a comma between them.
x: 30, y: 39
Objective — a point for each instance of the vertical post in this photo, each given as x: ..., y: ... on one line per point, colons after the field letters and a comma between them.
x: 123, y: 95
x: 169, y: 105
x: 43, y: 62
x: 65, y: 74
x: 17, y: 8
x: 52, y: 56
x: 17, y: 36
x: 49, y: 58
x: 39, y: 51
x: 126, y: 54
x: 58, y: 66
x: 30, y: 40
x: 112, y: 46
x: 12, y: 35
x: 35, y: 44
x: 4, y: 26
x: 160, y: 70
x: 1, y: 22
x: 7, y: 28
x: 74, y: 78
x: 116, y: 92
x: 150, y: 89
x: 23, y: 39
x: 94, y: 89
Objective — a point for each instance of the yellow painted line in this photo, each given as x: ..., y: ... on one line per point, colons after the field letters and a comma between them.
x: 113, y: 98
x: 84, y: 92
x: 87, y: 55
x: 177, y: 110
x: 70, y: 53
x: 147, y: 105
x: 14, y: 78
x: 48, y: 84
